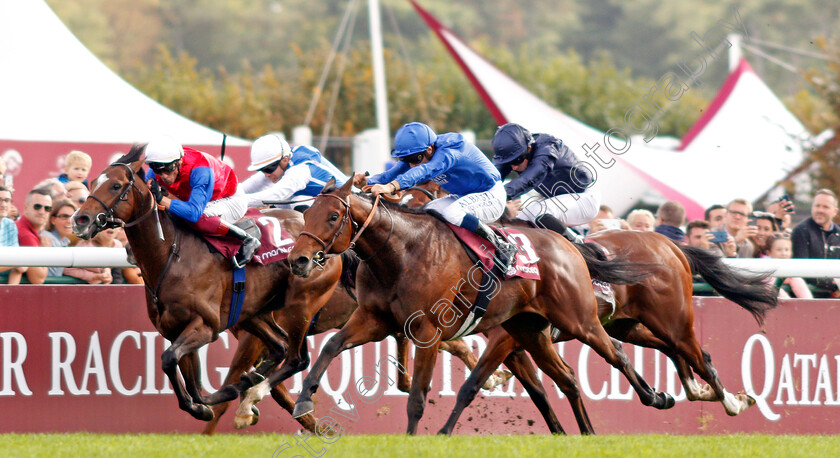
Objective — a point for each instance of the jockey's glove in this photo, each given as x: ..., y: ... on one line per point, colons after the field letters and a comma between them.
x: 157, y: 191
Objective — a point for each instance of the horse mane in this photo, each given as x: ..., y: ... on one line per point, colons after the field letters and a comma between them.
x: 394, y: 205
x: 133, y: 155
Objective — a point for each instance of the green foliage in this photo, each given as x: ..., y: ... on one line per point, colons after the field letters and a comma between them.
x: 827, y: 83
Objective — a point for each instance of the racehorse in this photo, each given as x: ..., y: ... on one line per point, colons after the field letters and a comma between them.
x: 413, y: 263
x: 332, y: 316
x: 656, y: 313
x: 189, y: 287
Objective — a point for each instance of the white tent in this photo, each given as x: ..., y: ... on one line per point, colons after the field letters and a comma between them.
x: 719, y: 164
x: 57, y: 96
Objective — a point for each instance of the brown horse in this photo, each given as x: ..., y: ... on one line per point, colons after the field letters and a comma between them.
x: 333, y: 315
x: 656, y: 313
x: 411, y: 270
x: 189, y: 287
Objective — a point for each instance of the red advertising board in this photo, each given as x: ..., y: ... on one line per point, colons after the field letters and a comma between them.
x: 86, y: 358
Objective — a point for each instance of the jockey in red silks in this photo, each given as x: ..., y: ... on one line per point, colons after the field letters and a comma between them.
x: 204, y: 192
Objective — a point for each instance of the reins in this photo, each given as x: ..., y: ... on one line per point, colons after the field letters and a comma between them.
x: 322, y: 256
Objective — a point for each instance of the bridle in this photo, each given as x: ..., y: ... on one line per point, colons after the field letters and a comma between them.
x: 106, y: 219
x: 321, y: 257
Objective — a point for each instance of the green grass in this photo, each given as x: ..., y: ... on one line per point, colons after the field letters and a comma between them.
x: 265, y: 445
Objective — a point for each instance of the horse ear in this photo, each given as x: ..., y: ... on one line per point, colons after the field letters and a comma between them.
x: 329, y: 187
x: 348, y: 185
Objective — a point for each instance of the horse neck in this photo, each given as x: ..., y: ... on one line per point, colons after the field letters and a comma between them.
x: 383, y: 242
x: 150, y: 251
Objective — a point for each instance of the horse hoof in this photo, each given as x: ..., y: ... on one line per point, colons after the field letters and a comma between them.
x: 664, y: 401
x: 444, y: 432
x: 302, y: 408
x: 202, y: 412
x: 256, y: 416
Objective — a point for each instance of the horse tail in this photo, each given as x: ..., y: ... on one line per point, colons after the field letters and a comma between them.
x: 349, y: 263
x: 617, y: 269
x: 749, y: 290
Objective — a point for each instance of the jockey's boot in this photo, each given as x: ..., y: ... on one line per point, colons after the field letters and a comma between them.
x: 250, y: 244
x: 550, y: 222
x: 505, y: 251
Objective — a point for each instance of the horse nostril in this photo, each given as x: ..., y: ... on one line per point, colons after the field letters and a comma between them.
x: 301, y: 261
x: 82, y: 220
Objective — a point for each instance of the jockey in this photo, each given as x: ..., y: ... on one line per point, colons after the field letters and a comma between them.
x: 203, y: 189
x: 477, y: 195
x: 287, y: 173
x: 546, y: 165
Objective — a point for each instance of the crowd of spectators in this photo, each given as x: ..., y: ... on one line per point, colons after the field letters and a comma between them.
x: 46, y: 221
x: 736, y: 230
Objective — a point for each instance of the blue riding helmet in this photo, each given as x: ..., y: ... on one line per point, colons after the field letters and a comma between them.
x: 510, y: 142
x: 413, y: 138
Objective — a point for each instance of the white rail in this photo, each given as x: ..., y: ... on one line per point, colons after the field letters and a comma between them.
x: 116, y: 257
x: 63, y: 257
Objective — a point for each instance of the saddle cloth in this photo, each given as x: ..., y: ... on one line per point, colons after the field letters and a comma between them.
x: 276, y: 242
x: 525, y: 265
x: 603, y: 291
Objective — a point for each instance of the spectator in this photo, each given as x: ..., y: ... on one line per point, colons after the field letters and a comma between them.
x: 76, y: 192
x: 715, y: 214
x: 36, y: 211
x: 818, y: 237
x: 96, y: 275
x: 641, y: 220
x: 58, y: 230
x: 782, y: 209
x: 54, y: 187
x: 605, y: 212
x: 76, y: 168
x: 605, y: 219
x: 698, y: 234
x: 669, y: 217
x: 779, y: 246
x: 735, y: 224
x: 766, y: 225
x: 8, y: 236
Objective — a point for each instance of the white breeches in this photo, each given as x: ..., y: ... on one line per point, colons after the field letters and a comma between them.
x: 487, y: 206
x: 229, y: 209
x: 571, y: 209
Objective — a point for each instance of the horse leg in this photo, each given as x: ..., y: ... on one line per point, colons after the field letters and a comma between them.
x: 191, y: 338
x: 538, y: 344
x: 297, y: 359
x: 361, y: 328
x: 274, y: 338
x: 424, y: 365
x: 190, y: 367
x: 460, y: 350
x: 684, y: 350
x: 403, y: 379
x: 501, y: 348
x: 247, y: 352
x: 586, y: 328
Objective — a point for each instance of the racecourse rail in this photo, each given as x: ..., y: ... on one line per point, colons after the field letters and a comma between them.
x: 116, y: 257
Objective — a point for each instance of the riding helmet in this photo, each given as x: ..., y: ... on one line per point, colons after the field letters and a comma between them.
x: 510, y: 142
x: 163, y: 150
x: 413, y: 138
x: 267, y: 149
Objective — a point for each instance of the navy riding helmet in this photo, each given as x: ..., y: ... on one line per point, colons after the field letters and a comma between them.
x: 510, y: 142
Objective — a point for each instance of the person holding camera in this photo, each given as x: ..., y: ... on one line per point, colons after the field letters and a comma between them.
x: 547, y: 165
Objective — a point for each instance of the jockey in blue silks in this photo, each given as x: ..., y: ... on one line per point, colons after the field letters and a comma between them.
x: 477, y: 195
x: 547, y: 165
x: 287, y: 173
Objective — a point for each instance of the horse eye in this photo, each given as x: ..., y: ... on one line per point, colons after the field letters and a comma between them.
x: 334, y: 217
x: 117, y: 186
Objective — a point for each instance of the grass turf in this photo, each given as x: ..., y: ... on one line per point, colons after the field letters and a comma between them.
x: 275, y: 445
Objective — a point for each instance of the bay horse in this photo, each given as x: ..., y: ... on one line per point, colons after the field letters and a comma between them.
x: 333, y: 315
x: 412, y: 262
x: 656, y: 313
x: 189, y: 287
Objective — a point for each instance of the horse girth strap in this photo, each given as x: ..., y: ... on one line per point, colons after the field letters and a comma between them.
x: 344, y: 220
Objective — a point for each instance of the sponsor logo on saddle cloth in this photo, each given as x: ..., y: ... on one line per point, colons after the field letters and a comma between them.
x: 276, y: 242
x: 525, y: 265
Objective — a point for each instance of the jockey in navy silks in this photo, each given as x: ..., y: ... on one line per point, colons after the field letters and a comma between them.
x: 545, y: 164
x: 205, y: 192
x: 477, y: 195
x: 285, y: 173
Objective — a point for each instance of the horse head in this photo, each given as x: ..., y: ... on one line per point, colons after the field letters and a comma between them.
x: 328, y: 229
x: 111, y: 202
